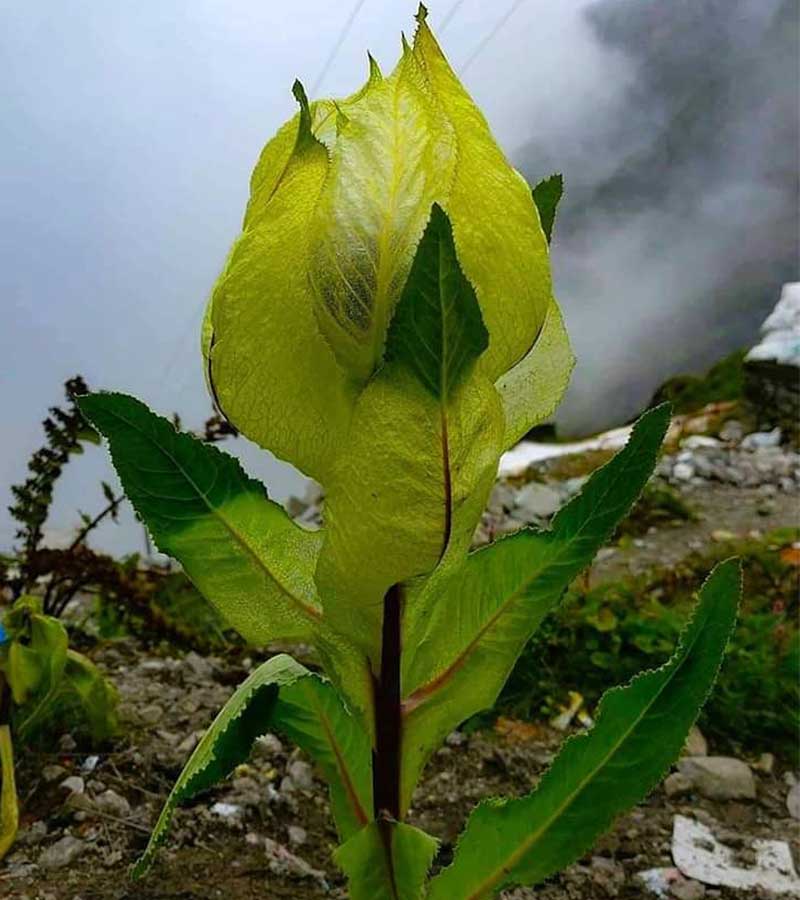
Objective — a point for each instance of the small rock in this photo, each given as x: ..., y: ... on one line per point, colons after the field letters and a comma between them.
x: 659, y: 881
x: 287, y: 786
x: 113, y: 803
x: 696, y: 744
x: 151, y: 714
x: 66, y: 743
x: 34, y: 834
x: 90, y: 764
x: 720, y: 535
x: 765, y: 764
x: 608, y: 875
x: 62, y: 853
x: 683, y: 471
x: 719, y: 777
x: 700, y: 442
x: 302, y: 775
x: 677, y: 785
x: 190, y: 742
x: 53, y: 773
x: 283, y: 862
x: 759, y: 439
x: 297, y: 835
x: 73, y: 785
x: 456, y: 739
x: 501, y: 500
x: 793, y: 800
x: 687, y: 890
x: 538, y: 500
x: 199, y: 667
x: 267, y: 747
x: 228, y: 811
x: 732, y: 431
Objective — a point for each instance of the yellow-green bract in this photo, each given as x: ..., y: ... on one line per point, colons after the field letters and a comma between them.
x: 385, y: 322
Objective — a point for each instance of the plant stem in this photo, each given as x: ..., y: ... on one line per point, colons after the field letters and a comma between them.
x: 386, y: 757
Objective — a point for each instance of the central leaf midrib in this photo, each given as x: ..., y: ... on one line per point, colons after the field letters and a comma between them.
x: 425, y: 691
x: 305, y: 608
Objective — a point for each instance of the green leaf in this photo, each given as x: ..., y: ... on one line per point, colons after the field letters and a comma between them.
x: 95, y: 697
x: 437, y: 329
x: 46, y: 653
x: 387, y: 861
x: 640, y: 730
x: 391, y: 160
x: 9, y: 806
x: 533, y: 388
x: 466, y: 626
x: 440, y: 427
x: 288, y: 395
x: 499, y: 242
x: 283, y: 695
x: 240, y: 549
x: 546, y: 196
x: 310, y: 713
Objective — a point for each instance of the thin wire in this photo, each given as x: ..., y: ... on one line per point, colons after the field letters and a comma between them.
x: 337, y: 46
x: 491, y: 35
x: 449, y: 16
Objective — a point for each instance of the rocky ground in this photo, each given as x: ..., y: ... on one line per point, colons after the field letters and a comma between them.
x: 266, y: 833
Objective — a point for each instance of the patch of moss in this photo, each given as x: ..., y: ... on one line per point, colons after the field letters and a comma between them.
x: 724, y: 381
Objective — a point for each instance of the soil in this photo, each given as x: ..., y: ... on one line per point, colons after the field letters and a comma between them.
x: 168, y: 699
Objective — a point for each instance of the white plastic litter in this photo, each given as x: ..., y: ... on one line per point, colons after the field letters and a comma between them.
x: 699, y: 855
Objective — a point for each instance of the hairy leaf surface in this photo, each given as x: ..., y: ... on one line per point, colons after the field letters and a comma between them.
x: 422, y: 457
x: 271, y: 371
x: 283, y: 695
x: 640, y: 730
x: 240, y: 549
x: 465, y: 629
x: 390, y: 162
x: 380, y: 872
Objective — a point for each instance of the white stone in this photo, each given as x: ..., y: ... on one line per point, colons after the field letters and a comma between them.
x: 226, y: 810
x: 696, y: 744
x: 73, y: 785
x: 539, y: 500
x: 113, y: 803
x: 719, y: 777
x: 683, y: 471
x: 793, y: 800
x: 699, y: 855
x: 62, y: 853
x: 302, y: 775
x: 297, y: 835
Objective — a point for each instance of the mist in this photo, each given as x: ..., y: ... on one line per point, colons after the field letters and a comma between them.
x: 680, y: 222
x: 129, y: 133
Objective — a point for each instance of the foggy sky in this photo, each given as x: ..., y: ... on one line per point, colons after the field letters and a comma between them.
x: 129, y: 132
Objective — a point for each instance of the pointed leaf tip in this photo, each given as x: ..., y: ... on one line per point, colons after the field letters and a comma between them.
x: 422, y: 13
x: 375, y: 73
x: 300, y: 94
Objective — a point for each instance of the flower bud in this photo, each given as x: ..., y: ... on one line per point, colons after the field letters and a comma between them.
x: 340, y: 199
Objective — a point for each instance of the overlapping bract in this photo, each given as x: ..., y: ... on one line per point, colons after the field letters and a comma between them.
x: 298, y: 341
